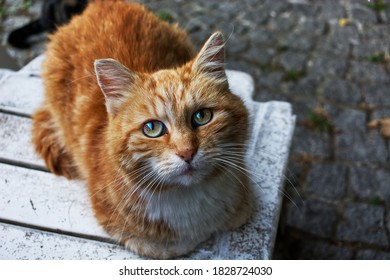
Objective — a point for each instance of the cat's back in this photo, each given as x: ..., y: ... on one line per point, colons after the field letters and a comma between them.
x: 127, y: 32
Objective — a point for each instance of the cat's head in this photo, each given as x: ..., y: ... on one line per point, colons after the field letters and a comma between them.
x: 177, y: 126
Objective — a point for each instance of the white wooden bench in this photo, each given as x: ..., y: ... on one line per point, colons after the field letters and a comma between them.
x: 47, y: 217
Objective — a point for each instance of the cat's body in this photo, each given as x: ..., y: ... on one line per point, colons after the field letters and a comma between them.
x: 54, y: 13
x: 153, y: 138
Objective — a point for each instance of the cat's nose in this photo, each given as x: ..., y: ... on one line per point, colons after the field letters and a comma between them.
x: 187, y: 154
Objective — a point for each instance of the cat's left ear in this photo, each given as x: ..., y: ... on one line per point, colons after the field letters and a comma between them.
x: 115, y: 81
x: 211, y: 58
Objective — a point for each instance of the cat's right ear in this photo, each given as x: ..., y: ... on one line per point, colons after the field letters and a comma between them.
x: 115, y: 81
x: 211, y: 58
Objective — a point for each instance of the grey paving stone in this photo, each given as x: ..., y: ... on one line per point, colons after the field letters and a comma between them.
x: 320, y: 250
x: 361, y: 146
x: 241, y: 65
x: 293, y: 60
x: 366, y: 50
x: 310, y: 26
x: 377, y: 94
x: 263, y: 37
x: 363, y: 14
x: 372, y: 255
x: 306, y: 87
x: 345, y: 119
x: 211, y: 21
x: 385, y: 16
x: 194, y: 25
x: 261, y: 55
x: 352, y: 140
x: 297, y: 41
x: 309, y: 142
x: 228, y: 9
x: 303, y: 108
x: 388, y: 224
x: 324, y: 66
x: 363, y: 223
x: 342, y: 91
x: 257, y: 17
x: 252, y: 3
x: 313, y: 217
x: 368, y: 72
x: 380, y: 113
x: 338, y: 42
x: 375, y: 32
x: 332, y: 10
x: 293, y: 178
x: 327, y: 181
x: 306, y: 10
x: 235, y: 45
x: 275, y: 7
x: 283, y: 22
x: 271, y: 80
x: 230, y: 28
x: 348, y: 33
x: 369, y: 182
x: 199, y: 38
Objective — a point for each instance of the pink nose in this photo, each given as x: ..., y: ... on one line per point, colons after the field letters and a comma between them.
x: 187, y: 154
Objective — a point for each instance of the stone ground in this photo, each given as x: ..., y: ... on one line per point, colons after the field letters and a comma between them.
x: 330, y: 60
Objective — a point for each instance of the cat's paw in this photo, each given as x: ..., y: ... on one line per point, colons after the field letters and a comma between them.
x: 161, y: 250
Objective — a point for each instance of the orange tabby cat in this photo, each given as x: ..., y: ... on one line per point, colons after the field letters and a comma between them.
x: 154, y: 131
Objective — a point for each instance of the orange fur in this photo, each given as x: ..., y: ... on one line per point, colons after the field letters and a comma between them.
x: 157, y: 196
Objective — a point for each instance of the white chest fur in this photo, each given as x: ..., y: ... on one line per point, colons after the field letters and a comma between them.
x: 195, y: 211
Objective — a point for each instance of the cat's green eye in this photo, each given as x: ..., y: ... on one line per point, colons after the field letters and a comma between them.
x: 154, y: 129
x: 202, y: 117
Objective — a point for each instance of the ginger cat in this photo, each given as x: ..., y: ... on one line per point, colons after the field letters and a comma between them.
x: 153, y: 130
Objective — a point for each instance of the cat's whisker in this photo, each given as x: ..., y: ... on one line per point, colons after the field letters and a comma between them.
x: 233, y: 157
x: 229, y: 154
x: 232, y: 175
x: 139, y: 199
x: 127, y: 197
x: 154, y: 185
x: 116, y: 179
x: 243, y: 170
x: 115, y: 184
x: 80, y: 78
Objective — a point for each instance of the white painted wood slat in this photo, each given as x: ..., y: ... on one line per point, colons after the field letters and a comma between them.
x: 15, y: 140
x: 23, y: 243
x: 44, y: 200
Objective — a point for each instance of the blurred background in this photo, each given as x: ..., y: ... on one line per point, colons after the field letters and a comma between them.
x: 330, y: 60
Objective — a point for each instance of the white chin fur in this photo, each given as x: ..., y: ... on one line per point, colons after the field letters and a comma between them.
x: 186, y: 180
x: 177, y: 171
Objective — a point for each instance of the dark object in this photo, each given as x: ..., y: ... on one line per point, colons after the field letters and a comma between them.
x: 53, y: 14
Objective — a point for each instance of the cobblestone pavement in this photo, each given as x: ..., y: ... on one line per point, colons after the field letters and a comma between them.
x: 330, y: 60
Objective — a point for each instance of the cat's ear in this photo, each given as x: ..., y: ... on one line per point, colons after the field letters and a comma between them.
x: 211, y: 58
x: 115, y: 81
